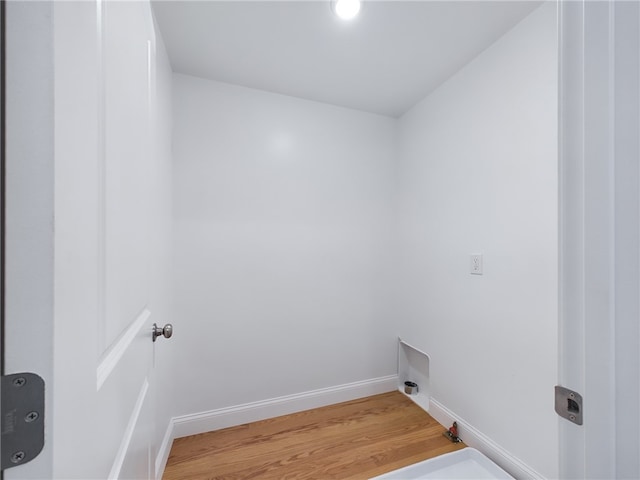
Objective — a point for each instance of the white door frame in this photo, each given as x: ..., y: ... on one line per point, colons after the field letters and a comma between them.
x: 29, y: 191
x: 600, y: 235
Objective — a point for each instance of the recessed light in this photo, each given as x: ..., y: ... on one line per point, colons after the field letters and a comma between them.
x: 346, y: 9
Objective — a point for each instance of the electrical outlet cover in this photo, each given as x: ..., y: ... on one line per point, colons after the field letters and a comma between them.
x: 476, y: 264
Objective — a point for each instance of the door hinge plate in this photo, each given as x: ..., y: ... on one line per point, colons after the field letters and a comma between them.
x: 569, y: 405
x: 22, y: 418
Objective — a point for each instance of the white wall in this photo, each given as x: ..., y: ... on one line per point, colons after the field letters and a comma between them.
x: 308, y: 237
x: 281, y: 224
x: 478, y: 174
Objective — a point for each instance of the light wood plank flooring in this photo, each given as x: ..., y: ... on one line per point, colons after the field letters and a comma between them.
x: 351, y: 440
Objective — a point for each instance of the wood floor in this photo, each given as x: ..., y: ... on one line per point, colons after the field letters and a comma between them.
x: 351, y: 440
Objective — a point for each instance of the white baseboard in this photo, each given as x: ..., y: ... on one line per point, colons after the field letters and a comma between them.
x: 474, y: 438
x: 202, y: 422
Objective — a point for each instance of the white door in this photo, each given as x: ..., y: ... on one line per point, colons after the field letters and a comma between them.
x: 80, y: 233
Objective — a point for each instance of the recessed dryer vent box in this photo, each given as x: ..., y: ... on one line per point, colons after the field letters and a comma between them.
x: 413, y: 366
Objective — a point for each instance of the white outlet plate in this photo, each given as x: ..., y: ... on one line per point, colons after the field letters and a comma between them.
x: 476, y: 264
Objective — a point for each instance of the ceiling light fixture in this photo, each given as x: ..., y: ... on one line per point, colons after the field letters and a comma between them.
x: 346, y: 9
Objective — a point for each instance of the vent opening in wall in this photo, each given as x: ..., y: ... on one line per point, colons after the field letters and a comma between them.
x: 413, y: 367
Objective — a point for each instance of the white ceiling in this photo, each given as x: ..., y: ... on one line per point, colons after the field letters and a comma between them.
x: 384, y: 62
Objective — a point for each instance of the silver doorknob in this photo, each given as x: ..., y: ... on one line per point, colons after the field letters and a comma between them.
x: 165, y: 332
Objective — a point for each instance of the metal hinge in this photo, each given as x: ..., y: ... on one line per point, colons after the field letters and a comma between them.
x: 22, y: 418
x: 569, y: 405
